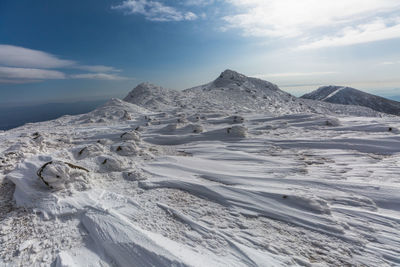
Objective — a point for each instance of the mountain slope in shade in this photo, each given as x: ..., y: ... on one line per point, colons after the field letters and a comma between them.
x: 350, y: 96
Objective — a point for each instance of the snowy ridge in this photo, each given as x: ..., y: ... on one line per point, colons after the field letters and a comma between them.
x: 350, y: 96
x: 235, y: 92
x: 178, y: 179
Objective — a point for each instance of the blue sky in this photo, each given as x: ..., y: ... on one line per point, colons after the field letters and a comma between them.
x: 54, y: 50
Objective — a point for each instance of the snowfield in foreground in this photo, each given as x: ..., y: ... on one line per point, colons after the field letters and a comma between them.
x: 130, y: 185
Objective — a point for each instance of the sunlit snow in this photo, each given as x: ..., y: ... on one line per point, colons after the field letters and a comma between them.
x: 232, y: 173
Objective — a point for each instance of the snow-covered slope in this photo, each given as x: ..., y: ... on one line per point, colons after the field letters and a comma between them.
x: 234, y: 91
x: 350, y: 96
x: 153, y: 96
x: 201, y: 178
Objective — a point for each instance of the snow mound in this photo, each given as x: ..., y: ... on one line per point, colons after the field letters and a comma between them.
x: 169, y: 129
x: 132, y: 135
x: 91, y: 150
x: 62, y: 175
x: 174, y: 129
x: 235, y: 119
x: 332, y: 122
x: 194, y: 128
x: 134, y: 175
x: 126, y: 149
x: 110, y: 164
x: 237, y: 131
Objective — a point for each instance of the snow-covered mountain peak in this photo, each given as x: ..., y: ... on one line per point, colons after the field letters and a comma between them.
x: 231, y: 75
x: 350, y: 96
x: 235, y: 81
x: 229, y: 79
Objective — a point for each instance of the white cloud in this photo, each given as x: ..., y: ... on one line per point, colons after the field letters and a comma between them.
x: 154, y: 10
x: 98, y: 76
x: 24, y: 65
x: 364, y: 33
x: 305, y: 19
x: 29, y: 73
x: 198, y: 2
x: 17, y: 56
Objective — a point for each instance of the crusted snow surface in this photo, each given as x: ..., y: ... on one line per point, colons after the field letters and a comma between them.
x: 173, y: 185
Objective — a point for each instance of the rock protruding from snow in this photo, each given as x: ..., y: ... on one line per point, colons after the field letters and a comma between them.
x: 350, y: 96
x: 237, y: 131
x: 332, y: 122
x: 132, y: 135
x: 237, y: 119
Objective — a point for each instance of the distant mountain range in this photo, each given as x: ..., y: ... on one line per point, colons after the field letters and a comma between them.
x: 350, y: 96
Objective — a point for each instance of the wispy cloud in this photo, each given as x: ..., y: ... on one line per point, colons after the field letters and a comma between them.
x: 28, y: 73
x: 98, y: 76
x: 324, y: 22
x: 389, y: 63
x: 17, y: 56
x: 154, y: 10
x: 375, y: 31
x: 293, y: 74
x: 198, y: 2
x: 24, y: 65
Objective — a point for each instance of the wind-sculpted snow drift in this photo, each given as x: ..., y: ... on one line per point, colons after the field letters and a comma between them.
x: 232, y: 173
